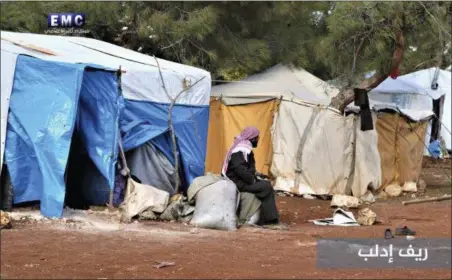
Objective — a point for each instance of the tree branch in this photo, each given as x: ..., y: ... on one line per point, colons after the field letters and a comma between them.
x: 347, y: 96
x: 172, y: 44
x: 170, y: 123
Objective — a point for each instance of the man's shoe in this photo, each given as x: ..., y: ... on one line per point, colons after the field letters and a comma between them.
x: 404, y: 231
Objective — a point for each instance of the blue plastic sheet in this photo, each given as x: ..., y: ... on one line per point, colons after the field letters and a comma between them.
x: 435, y: 149
x: 42, y: 114
x: 98, y: 119
x: 143, y: 121
x: 43, y: 111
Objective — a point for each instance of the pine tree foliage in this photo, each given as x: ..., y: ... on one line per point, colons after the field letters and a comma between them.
x: 332, y: 40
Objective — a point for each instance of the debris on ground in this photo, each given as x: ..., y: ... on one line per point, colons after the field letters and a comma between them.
x: 163, y: 264
x: 421, y: 186
x: 368, y: 198
x: 382, y: 195
x: 141, y: 197
x: 393, y: 190
x: 409, y: 187
x: 324, y: 196
x: 340, y: 218
x: 178, y: 210
x: 340, y: 200
x: 366, y: 217
x: 5, y: 220
x: 284, y: 193
x: 147, y: 215
x: 279, y: 226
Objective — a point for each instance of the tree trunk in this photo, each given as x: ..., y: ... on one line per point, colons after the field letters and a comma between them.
x: 347, y: 95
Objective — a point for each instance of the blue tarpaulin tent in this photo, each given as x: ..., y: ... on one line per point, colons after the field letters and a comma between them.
x: 87, y: 102
x: 143, y: 121
x: 48, y: 100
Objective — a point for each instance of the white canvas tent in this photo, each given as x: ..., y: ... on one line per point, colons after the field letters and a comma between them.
x: 141, y: 75
x: 316, y: 150
x: 413, y: 94
x: 277, y: 81
x: 8, y: 61
x: 404, y: 134
x: 141, y: 79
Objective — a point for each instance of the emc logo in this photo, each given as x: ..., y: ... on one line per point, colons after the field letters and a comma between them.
x: 56, y: 20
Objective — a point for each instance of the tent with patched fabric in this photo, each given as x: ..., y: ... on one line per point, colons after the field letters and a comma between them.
x: 411, y: 110
x: 308, y: 147
x: 148, y: 88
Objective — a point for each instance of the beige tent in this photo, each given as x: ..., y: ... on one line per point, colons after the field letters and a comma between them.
x: 254, y: 101
x: 401, y: 149
x: 308, y: 147
x: 402, y: 128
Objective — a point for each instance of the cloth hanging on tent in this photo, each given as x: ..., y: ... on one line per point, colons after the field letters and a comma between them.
x: 362, y: 98
x: 395, y: 73
x: 152, y: 167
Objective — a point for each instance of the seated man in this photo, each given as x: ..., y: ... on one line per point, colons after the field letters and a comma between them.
x: 240, y: 167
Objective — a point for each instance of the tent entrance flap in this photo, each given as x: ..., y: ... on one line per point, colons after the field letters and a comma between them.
x: 48, y: 100
x: 42, y: 114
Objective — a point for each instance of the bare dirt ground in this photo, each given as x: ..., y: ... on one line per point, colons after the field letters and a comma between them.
x: 38, y: 250
x: 66, y: 250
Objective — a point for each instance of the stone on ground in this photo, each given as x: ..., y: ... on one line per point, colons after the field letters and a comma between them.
x: 393, y: 190
x: 409, y: 187
x: 340, y: 200
x: 366, y: 217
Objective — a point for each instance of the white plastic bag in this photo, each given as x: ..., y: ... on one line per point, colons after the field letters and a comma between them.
x: 141, y: 197
x: 216, y: 206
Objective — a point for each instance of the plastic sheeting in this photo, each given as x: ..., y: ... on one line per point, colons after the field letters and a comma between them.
x: 419, y: 82
x: 8, y: 66
x: 152, y: 167
x: 145, y: 121
x: 141, y: 81
x: 316, y: 152
x: 412, y: 94
x: 98, y: 118
x: 41, y: 120
x: 43, y: 112
x: 446, y: 121
x: 401, y: 148
x: 415, y: 106
x: 226, y: 122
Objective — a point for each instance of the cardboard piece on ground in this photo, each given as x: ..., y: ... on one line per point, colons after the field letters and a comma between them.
x: 340, y: 218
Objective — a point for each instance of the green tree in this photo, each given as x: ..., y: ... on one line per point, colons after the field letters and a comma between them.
x: 383, y: 36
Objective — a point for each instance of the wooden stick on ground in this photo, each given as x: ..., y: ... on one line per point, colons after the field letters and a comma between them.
x: 427, y: 199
